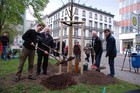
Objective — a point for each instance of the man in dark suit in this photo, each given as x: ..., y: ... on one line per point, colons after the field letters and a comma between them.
x: 58, y: 48
x: 46, y: 40
x: 111, y: 50
x: 97, y: 45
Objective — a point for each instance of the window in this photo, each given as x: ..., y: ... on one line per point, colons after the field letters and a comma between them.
x: 105, y: 26
x: 62, y: 13
x: 76, y: 11
x: 110, y: 27
x: 83, y: 19
x: 100, y: 34
x: 96, y: 16
x: 96, y: 24
x: 84, y: 13
x: 90, y: 23
x: 75, y: 31
x: 109, y: 20
x: 65, y: 11
x: 101, y: 18
x: 90, y: 33
x: 105, y: 19
x: 90, y: 14
x: 76, y: 18
x: 65, y: 31
x: 101, y: 26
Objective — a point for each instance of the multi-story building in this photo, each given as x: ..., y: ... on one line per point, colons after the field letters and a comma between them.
x: 127, y: 33
x: 94, y: 19
x: 116, y: 34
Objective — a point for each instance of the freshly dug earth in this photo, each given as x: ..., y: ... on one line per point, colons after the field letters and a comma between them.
x: 54, y: 82
x: 59, y: 81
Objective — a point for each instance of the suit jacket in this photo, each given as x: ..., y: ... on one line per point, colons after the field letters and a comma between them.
x: 47, y: 41
x: 63, y: 46
x: 97, y: 45
x: 111, y: 46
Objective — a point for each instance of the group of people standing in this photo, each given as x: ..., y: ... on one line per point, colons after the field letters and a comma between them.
x: 45, y: 42
x: 95, y: 49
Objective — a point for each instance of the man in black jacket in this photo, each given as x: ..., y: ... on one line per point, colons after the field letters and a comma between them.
x: 30, y: 40
x: 111, y: 50
x: 5, y: 41
x: 97, y: 45
x: 47, y: 40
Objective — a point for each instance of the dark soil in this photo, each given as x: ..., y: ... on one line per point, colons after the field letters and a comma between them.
x: 55, y: 81
x: 65, y: 79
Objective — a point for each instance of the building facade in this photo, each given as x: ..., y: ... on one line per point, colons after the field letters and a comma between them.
x: 127, y: 32
x: 116, y: 34
x: 94, y: 19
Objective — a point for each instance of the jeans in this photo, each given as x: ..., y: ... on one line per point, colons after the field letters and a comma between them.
x: 111, y: 65
x: 98, y: 59
x: 4, y: 52
x: 45, y: 63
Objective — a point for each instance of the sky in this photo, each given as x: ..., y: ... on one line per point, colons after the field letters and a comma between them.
x: 111, y: 6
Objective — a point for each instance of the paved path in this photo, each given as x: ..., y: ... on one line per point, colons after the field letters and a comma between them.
x: 125, y: 74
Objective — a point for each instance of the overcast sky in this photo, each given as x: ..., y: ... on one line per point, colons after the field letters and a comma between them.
x: 111, y: 6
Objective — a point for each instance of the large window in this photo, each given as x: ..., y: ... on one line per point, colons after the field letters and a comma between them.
x: 65, y: 31
x: 101, y: 18
x: 105, y: 26
x: 76, y: 11
x: 90, y: 14
x: 96, y: 24
x: 105, y: 19
x: 62, y: 13
x: 96, y: 16
x: 83, y: 19
x: 84, y: 13
x: 110, y: 27
x: 90, y: 23
x: 75, y: 31
x: 109, y: 20
x: 101, y: 26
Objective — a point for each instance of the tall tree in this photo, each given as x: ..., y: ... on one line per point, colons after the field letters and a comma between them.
x: 11, y: 11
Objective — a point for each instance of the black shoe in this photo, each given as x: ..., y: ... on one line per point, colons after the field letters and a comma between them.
x: 37, y: 74
x: 111, y: 75
x: 97, y: 69
x: 45, y: 74
x: 17, y: 79
x: 32, y: 78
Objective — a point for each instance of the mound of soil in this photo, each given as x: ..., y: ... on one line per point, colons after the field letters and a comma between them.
x: 96, y: 78
x: 59, y: 81
x: 54, y: 82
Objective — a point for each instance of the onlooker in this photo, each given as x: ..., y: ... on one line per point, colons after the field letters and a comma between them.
x: 111, y: 50
x: 58, y: 48
x: 97, y: 45
x: 5, y: 41
x: 92, y: 55
x: 54, y: 45
x: 87, y: 52
x: 66, y: 50
x: 30, y: 40
x: 77, y: 50
x: 47, y: 40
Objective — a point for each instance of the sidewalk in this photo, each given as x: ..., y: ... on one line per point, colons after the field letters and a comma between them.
x: 125, y: 74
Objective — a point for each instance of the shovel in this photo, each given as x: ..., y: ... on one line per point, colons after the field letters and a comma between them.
x: 59, y: 62
x: 68, y: 59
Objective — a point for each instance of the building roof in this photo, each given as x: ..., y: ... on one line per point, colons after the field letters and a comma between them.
x: 82, y: 6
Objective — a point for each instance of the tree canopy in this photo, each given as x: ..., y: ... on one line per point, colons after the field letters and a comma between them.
x: 11, y: 11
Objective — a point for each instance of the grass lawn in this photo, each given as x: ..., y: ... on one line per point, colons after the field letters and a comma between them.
x: 9, y: 68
